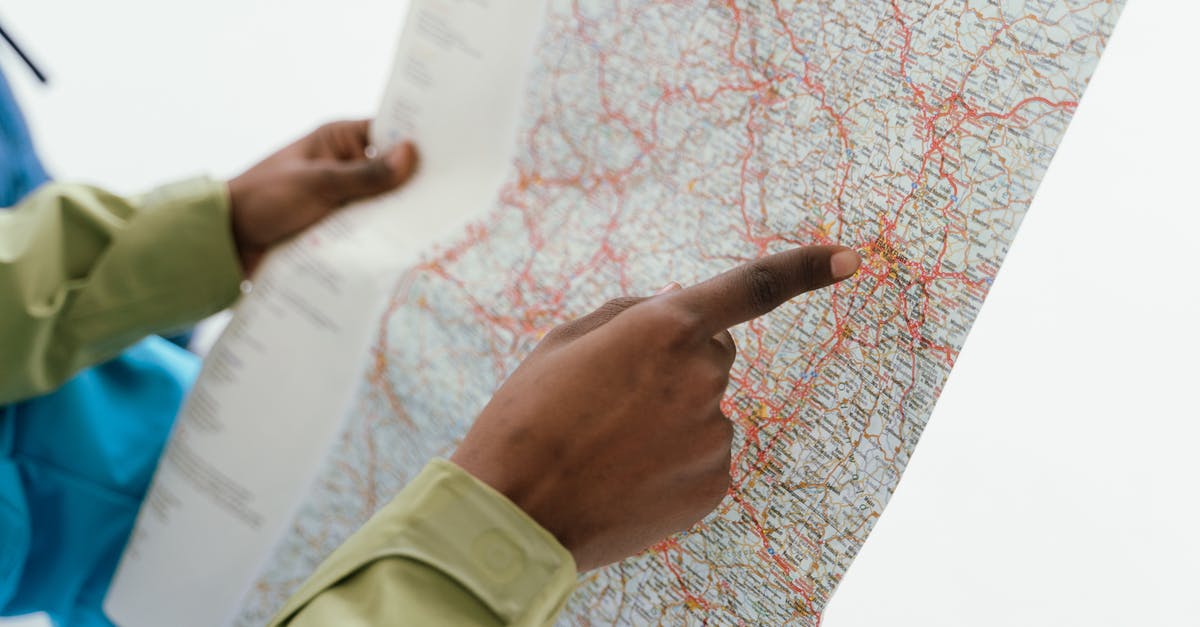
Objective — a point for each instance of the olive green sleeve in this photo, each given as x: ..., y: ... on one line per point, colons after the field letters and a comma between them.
x: 448, y: 550
x: 85, y: 273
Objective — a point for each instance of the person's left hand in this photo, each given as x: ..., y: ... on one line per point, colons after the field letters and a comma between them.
x: 301, y: 184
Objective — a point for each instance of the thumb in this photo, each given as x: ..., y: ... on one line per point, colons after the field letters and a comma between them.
x: 579, y: 327
x: 346, y: 181
x: 582, y: 326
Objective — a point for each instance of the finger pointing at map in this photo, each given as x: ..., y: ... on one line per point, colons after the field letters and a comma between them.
x: 753, y: 289
x: 611, y: 435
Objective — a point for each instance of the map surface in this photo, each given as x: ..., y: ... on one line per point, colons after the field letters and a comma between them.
x: 669, y: 141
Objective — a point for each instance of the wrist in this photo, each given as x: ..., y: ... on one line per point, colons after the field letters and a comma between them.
x: 249, y: 255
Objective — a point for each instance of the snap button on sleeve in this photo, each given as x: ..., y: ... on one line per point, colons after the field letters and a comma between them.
x: 500, y: 558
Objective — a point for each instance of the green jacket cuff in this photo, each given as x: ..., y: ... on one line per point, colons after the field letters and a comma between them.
x: 187, y: 255
x: 176, y: 266
x: 85, y: 273
x: 452, y: 522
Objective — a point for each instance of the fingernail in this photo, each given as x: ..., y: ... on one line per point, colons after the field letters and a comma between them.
x: 844, y: 264
x: 669, y: 287
x: 402, y: 157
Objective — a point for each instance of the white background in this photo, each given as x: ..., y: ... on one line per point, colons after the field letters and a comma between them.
x: 1057, y: 481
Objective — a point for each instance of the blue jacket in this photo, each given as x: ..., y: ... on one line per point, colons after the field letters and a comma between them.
x: 75, y: 464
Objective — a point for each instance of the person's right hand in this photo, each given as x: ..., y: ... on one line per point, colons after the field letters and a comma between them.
x: 610, y: 435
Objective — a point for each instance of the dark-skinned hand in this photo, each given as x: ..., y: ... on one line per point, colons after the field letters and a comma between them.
x: 610, y: 434
x: 306, y: 181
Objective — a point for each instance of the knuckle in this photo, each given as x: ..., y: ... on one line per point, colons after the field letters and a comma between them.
x: 715, y: 381
x: 328, y: 183
x: 727, y: 343
x: 716, y: 438
x: 376, y: 173
x: 327, y: 130
x: 716, y: 486
x: 720, y: 434
x: 764, y: 285
x: 672, y: 327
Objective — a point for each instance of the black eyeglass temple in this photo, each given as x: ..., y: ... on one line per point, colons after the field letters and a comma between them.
x: 24, y: 57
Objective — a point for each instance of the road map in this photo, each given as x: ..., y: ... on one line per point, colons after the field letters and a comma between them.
x: 669, y: 141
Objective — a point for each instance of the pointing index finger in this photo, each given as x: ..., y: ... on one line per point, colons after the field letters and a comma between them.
x: 755, y: 288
